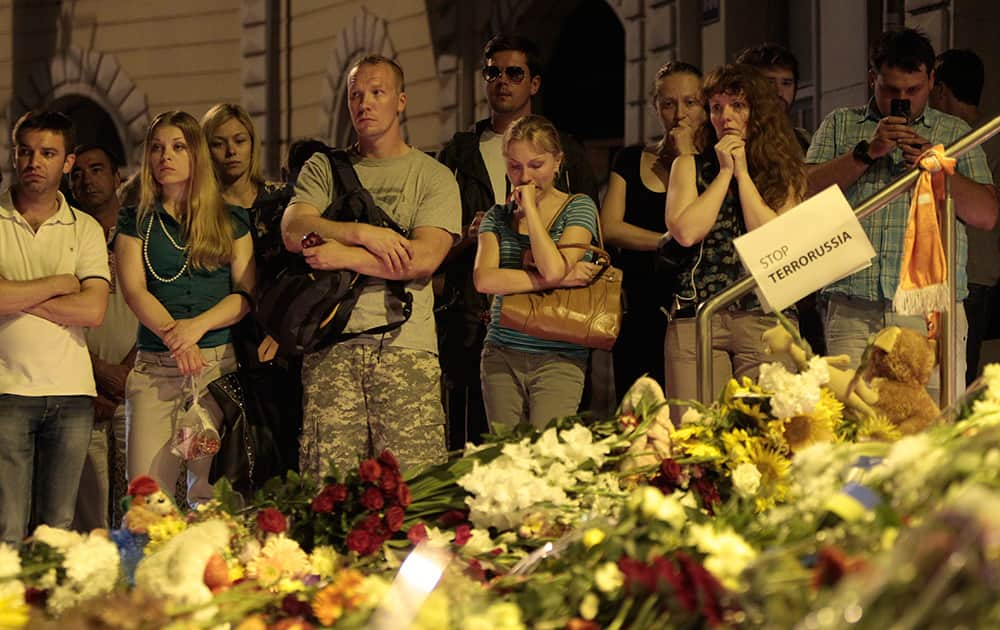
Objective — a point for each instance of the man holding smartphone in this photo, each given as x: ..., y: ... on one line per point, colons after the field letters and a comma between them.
x: 863, y: 149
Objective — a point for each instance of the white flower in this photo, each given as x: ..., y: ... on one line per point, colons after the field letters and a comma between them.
x: 793, y: 394
x: 10, y: 561
x: 323, y: 561
x: 691, y: 416
x: 59, y: 539
x: 176, y: 570
x: 590, y: 605
x: 746, y: 479
x: 479, y: 542
x: 728, y: 553
x: 608, y: 578
x: 250, y: 551
x: 95, y: 562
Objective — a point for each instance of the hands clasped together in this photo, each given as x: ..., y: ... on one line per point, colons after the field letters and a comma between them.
x: 181, y: 337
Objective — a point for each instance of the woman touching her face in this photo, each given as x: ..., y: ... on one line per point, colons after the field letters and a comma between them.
x: 750, y: 172
x: 526, y: 378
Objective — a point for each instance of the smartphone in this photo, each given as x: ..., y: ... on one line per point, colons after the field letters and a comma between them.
x: 312, y: 239
x: 900, y: 107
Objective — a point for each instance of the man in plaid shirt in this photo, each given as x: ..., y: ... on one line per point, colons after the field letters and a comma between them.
x: 863, y: 149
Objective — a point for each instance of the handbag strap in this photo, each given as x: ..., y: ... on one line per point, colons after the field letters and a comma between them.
x: 602, y: 254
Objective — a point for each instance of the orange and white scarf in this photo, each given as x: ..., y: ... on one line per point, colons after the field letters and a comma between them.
x: 923, y: 278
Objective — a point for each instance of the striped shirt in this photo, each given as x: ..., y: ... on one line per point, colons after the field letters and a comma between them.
x: 499, y: 220
x: 837, y: 134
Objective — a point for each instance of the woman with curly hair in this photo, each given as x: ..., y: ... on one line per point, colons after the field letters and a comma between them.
x: 751, y: 171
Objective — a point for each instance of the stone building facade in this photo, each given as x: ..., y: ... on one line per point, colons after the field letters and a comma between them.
x: 114, y: 64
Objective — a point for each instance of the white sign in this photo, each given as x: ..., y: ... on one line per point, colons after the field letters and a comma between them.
x: 806, y: 248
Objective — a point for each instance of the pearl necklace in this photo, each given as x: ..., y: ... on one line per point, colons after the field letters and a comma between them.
x: 145, y: 250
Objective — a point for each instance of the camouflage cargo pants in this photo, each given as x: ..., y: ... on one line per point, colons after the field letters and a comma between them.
x: 359, y: 399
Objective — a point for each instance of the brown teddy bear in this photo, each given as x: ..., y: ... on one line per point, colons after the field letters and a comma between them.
x: 900, y: 364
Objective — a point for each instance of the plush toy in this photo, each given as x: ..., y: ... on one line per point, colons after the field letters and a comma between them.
x: 780, y: 342
x: 146, y: 504
x: 900, y: 364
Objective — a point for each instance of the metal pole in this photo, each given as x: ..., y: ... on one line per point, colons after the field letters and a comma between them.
x: 949, y: 328
x: 708, y: 308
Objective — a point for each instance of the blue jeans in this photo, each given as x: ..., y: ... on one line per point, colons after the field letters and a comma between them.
x: 43, y: 444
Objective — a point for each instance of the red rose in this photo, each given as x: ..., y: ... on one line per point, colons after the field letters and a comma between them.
x: 403, y: 494
x: 322, y: 503
x: 372, y: 499
x: 370, y: 471
x: 637, y: 574
x: 462, y: 534
x: 370, y: 523
x: 292, y: 623
x: 358, y: 541
x: 451, y: 518
x: 417, y: 533
x: 387, y: 459
x: 271, y: 521
x: 394, y: 518
x: 390, y: 481
x: 475, y: 570
x: 337, y: 492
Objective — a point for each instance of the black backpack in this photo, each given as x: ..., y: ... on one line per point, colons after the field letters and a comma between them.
x: 306, y: 310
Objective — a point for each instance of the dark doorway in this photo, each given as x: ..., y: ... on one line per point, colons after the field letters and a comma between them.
x: 92, y: 124
x: 584, y: 83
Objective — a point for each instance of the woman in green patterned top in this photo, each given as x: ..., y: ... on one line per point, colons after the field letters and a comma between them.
x: 751, y: 171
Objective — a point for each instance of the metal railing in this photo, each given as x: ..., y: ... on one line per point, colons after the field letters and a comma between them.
x: 902, y: 185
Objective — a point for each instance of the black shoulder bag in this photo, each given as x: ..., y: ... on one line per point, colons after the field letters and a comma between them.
x: 306, y: 310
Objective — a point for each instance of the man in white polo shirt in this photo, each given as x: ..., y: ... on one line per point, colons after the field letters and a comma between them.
x: 54, y: 282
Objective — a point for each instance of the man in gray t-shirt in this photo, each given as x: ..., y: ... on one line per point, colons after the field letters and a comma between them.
x: 376, y: 392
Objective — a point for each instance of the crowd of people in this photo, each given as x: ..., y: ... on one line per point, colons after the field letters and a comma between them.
x: 119, y: 310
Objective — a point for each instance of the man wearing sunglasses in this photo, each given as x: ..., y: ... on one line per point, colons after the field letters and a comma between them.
x: 511, y: 72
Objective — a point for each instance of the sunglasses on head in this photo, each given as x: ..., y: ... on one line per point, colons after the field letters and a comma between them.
x: 514, y: 73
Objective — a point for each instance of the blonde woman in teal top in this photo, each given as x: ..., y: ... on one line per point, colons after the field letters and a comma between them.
x: 185, y: 265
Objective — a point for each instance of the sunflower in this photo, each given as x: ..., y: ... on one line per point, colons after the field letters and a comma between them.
x: 774, y: 469
x: 744, y: 397
x: 693, y: 440
x: 878, y: 429
x: 735, y: 443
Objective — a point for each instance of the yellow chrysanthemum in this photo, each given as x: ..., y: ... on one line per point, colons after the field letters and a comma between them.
x: 801, y: 431
x: 701, y: 450
x: 735, y: 443
x: 692, y: 442
x: 343, y: 594
x: 14, y: 613
x: 774, y: 432
x: 163, y: 530
x: 773, y: 468
x: 745, y: 398
x: 829, y: 408
x: 878, y: 429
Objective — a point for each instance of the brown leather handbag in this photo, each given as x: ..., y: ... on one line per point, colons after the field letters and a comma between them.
x: 589, y: 316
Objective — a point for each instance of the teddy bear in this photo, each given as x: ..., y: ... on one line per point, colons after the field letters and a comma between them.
x: 780, y: 342
x: 899, y: 365
x: 147, y: 504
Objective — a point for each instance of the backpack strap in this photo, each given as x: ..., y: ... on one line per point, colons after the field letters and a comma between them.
x: 347, y: 183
